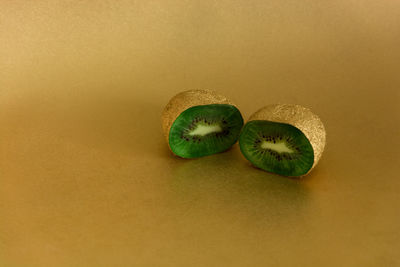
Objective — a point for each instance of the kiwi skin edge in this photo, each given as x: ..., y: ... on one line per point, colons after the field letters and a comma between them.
x: 299, y: 117
x: 185, y: 100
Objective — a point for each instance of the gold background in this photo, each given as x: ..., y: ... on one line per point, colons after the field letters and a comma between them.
x: 86, y: 178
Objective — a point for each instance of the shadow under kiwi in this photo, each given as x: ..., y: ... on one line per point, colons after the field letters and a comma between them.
x: 226, y: 183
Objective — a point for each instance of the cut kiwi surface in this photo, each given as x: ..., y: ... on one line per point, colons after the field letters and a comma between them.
x: 277, y: 147
x: 199, y: 123
x: 283, y: 139
x: 205, y: 130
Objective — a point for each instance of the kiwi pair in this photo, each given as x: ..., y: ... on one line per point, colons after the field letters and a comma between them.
x: 282, y: 139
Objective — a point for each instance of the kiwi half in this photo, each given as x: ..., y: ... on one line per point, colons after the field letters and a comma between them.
x: 283, y: 139
x: 199, y: 123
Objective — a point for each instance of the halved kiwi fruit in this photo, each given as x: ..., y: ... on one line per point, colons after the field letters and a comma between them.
x: 283, y: 139
x: 199, y: 123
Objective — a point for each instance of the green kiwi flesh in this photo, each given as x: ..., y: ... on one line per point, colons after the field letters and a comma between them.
x: 276, y: 147
x: 205, y: 130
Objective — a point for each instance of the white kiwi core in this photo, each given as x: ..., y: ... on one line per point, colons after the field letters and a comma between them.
x: 280, y: 147
x: 202, y: 129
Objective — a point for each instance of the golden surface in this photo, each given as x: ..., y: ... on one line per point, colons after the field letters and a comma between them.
x: 300, y: 117
x: 86, y: 178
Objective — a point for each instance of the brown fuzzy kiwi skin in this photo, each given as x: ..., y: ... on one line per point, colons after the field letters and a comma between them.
x: 185, y: 100
x: 299, y: 117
